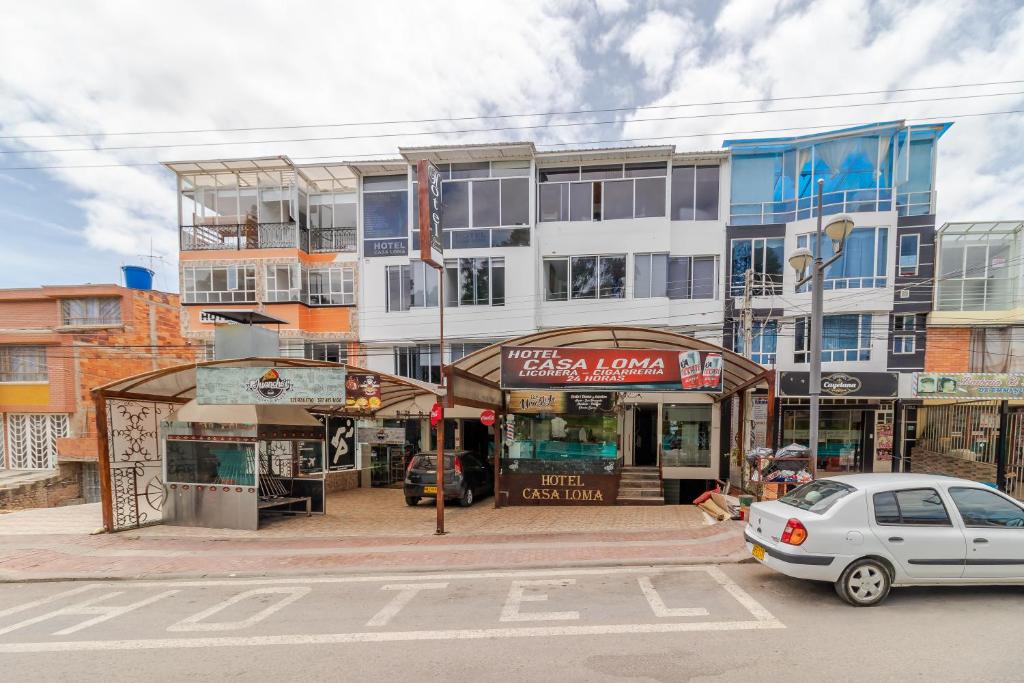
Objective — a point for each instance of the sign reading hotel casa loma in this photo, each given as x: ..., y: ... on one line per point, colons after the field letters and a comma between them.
x: 532, y: 367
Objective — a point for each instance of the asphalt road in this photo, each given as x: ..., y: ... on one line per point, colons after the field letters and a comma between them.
x: 713, y: 623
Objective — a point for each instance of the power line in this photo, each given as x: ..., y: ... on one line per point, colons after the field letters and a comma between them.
x: 463, y: 131
x: 480, y: 117
x: 581, y: 143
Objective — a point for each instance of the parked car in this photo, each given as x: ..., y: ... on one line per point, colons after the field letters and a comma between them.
x: 867, y: 533
x: 466, y: 478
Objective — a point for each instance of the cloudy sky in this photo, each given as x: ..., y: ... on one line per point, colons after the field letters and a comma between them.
x: 87, y: 71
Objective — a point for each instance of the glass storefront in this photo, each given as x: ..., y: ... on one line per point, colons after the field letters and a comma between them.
x: 564, y: 437
x: 686, y: 435
x: 211, y: 462
x: 839, y: 437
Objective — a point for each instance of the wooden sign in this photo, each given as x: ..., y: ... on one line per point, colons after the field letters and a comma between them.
x: 559, y: 489
x: 429, y: 187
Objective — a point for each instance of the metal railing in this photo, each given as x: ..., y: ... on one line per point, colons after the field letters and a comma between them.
x: 967, y: 430
x: 1015, y: 455
x: 842, y: 201
x: 976, y: 294
x: 332, y: 239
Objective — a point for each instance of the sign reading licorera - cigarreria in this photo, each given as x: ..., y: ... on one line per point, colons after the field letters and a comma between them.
x: 531, y: 367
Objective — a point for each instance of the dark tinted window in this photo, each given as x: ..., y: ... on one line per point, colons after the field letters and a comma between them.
x: 455, y: 204
x: 485, y: 203
x: 650, y: 197
x: 515, y: 201
x: 618, y: 199
x: 707, y: 193
x: 580, y: 204
x: 886, y: 509
x: 984, y: 508
x: 920, y: 507
x: 551, y: 205
x: 817, y: 496
x: 682, y: 193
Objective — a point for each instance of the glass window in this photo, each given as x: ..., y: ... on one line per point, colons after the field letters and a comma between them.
x: 554, y: 202
x: 705, y: 281
x: 581, y: 203
x: 650, y: 197
x: 996, y: 349
x: 980, y: 508
x: 284, y: 282
x: 903, y: 344
x: 909, y: 247
x: 613, y: 277
x: 583, y: 277
x: 474, y: 282
x: 646, y: 169
x: 763, y: 341
x: 683, y: 192
x: 650, y: 275
x: 843, y: 338
x: 686, y: 436
x: 618, y: 199
x: 385, y: 206
x: 471, y: 169
x: 332, y: 352
x: 455, y: 205
x: 817, y: 496
x: 904, y: 323
x: 91, y: 311
x: 332, y: 286
x: 916, y: 507
x: 515, y: 201
x: 562, y: 437
x: 556, y: 279
x: 601, y: 172
x: 211, y: 462
x: 559, y: 175
x: 222, y: 284
x: 706, y: 206
x: 23, y: 364
x: 419, y: 362
x: 887, y: 511
x: 411, y: 285
x: 862, y: 264
x: 764, y: 256
x: 486, y: 203
x: 679, y: 277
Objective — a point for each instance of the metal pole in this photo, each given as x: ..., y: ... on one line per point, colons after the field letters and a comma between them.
x: 440, y: 423
x: 817, y: 285
x: 1002, y: 444
x: 103, y: 461
x: 498, y: 426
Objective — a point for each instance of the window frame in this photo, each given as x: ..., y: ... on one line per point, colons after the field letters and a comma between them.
x: 597, y: 279
x: 693, y: 206
x: 8, y: 375
x: 877, y: 280
x: 494, y: 265
x: 294, y: 292
x: 917, y: 255
x: 91, y: 302
x: 894, y: 493
x: 346, y: 281
x: 952, y: 497
x: 907, y: 344
x: 757, y: 337
x: 765, y: 288
x: 598, y: 209
x: 244, y: 275
x: 802, y: 351
x: 407, y: 277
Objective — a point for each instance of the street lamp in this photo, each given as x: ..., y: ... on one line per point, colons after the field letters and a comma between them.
x: 802, y: 259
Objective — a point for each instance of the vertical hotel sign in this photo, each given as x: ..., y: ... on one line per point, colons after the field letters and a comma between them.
x: 429, y: 179
x: 531, y: 367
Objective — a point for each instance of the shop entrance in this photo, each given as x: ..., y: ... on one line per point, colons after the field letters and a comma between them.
x: 645, y: 436
x: 476, y: 439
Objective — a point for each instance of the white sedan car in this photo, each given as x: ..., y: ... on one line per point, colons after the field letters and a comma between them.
x: 866, y: 533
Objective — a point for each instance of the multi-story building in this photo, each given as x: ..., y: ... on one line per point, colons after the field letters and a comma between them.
x: 56, y: 345
x: 542, y: 239
x: 265, y: 234
x: 877, y: 295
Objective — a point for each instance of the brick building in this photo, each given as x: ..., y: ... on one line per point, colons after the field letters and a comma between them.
x: 56, y: 344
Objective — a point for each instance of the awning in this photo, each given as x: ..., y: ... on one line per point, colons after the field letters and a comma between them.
x: 474, y: 380
x: 177, y: 384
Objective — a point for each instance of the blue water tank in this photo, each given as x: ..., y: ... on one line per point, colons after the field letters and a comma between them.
x: 137, y: 277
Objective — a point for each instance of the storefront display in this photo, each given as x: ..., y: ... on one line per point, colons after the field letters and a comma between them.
x: 839, y: 437
x: 686, y: 435
x: 565, y: 436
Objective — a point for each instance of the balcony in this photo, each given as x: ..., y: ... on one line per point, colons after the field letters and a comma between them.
x: 845, y: 201
x: 237, y: 236
x: 976, y: 294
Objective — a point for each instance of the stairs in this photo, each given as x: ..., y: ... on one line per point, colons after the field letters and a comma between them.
x: 640, y: 486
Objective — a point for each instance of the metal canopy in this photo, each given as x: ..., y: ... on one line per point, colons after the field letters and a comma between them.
x: 977, y: 229
x: 474, y: 379
x: 246, y: 317
x: 177, y: 384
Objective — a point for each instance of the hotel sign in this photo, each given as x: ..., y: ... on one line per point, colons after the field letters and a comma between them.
x: 532, y: 367
x: 429, y: 205
x: 263, y: 385
x: 559, y: 489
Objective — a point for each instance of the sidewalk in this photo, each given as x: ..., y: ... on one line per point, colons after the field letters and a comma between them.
x: 365, y: 532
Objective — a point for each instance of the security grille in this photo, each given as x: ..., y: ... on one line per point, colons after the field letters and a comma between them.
x: 32, y: 440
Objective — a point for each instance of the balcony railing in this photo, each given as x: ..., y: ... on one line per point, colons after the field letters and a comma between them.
x: 976, y: 294
x: 332, y: 239
x: 845, y: 201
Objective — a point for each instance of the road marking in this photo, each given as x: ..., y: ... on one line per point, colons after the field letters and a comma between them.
x: 517, y: 596
x: 406, y: 592
x: 398, y: 578
x: 385, y: 637
x: 44, y: 601
x: 196, y: 621
x: 658, y: 605
x: 88, y: 607
x: 742, y: 596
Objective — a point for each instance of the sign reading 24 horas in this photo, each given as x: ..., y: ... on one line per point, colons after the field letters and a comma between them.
x: 532, y: 367
x: 263, y: 385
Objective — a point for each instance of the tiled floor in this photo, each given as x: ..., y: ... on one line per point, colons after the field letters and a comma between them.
x: 383, y: 512
x: 66, y: 520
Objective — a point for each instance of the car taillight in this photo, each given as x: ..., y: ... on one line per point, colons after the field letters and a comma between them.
x: 458, y: 465
x: 409, y: 466
x: 795, y: 533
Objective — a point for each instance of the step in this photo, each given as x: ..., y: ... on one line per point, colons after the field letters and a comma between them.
x: 640, y: 501
x: 633, y: 476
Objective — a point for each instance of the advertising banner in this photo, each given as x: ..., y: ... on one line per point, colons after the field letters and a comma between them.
x: 576, y: 403
x: 362, y: 392
x: 531, y: 367
x: 429, y: 187
x: 381, y: 435
x: 244, y: 386
x: 872, y: 384
x: 954, y: 385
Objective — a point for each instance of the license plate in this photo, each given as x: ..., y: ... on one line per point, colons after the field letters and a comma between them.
x: 433, y: 489
x: 758, y: 552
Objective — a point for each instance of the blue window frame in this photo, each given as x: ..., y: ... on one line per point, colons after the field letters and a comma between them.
x: 863, y: 263
x: 763, y: 341
x: 844, y: 337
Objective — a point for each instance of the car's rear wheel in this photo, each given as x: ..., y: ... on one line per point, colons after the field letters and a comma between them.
x: 411, y: 501
x: 466, y: 499
x: 865, y: 583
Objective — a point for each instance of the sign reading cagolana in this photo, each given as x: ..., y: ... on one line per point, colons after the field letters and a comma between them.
x: 531, y: 367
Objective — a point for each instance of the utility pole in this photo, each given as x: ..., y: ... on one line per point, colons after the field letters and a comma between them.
x: 747, y: 313
x: 816, y: 321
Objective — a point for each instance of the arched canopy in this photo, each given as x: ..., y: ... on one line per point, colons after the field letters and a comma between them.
x: 475, y: 379
x: 177, y: 384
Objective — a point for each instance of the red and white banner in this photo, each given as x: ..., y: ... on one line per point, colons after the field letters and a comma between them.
x: 532, y: 367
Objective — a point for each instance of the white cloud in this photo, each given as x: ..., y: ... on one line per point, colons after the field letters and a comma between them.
x: 611, y: 6
x: 658, y: 42
x: 127, y: 67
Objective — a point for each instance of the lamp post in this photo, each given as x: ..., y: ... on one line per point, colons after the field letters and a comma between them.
x: 802, y: 259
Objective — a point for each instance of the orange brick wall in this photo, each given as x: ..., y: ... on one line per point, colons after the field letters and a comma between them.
x: 948, y: 349
x: 29, y: 315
